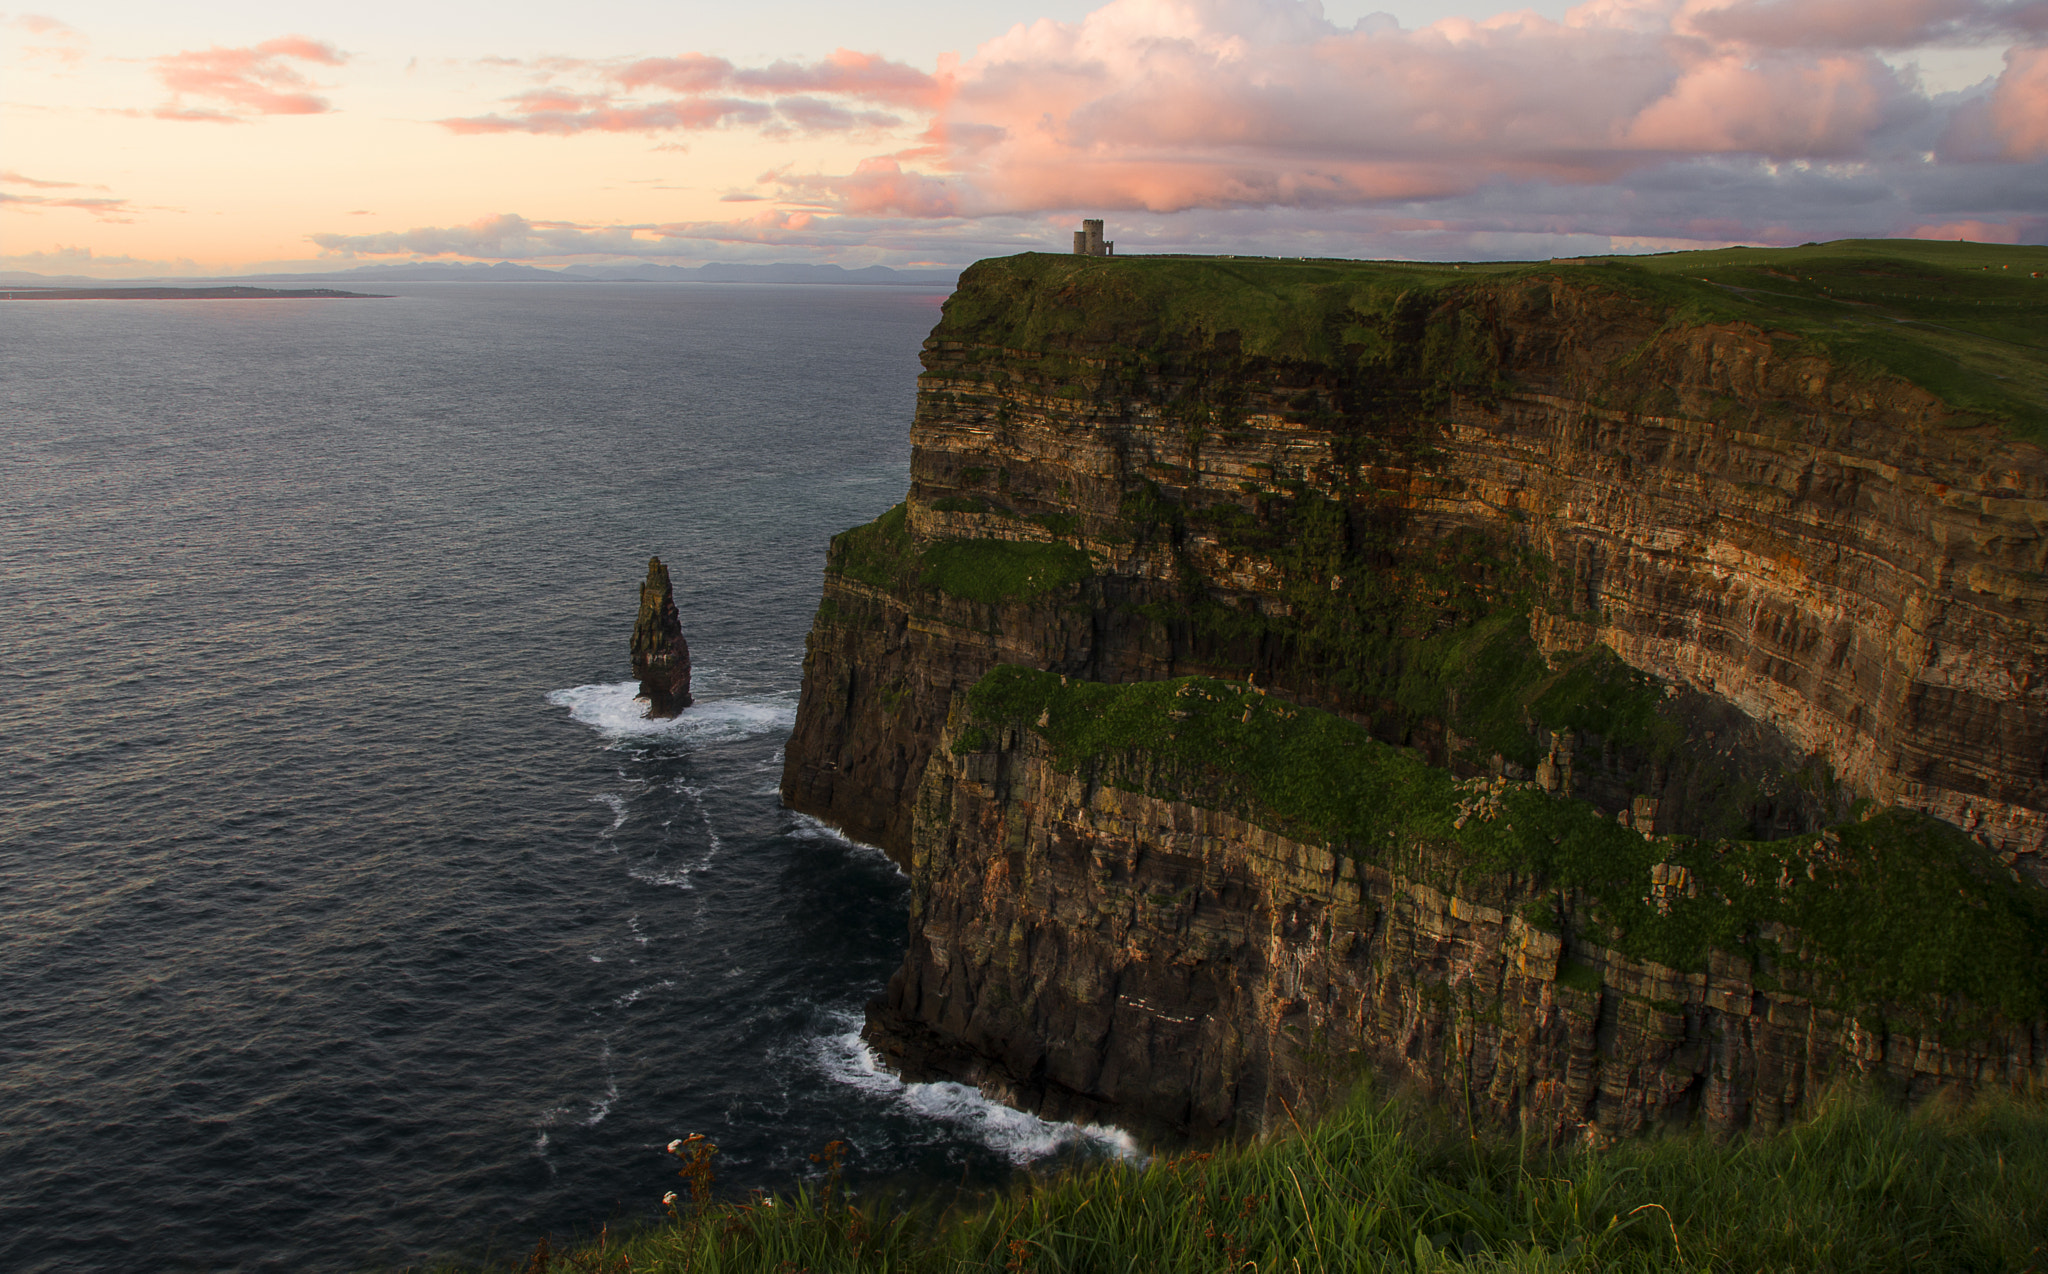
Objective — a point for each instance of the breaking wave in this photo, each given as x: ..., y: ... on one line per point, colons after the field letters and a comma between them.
x: 808, y: 828
x: 1019, y: 1137
x: 614, y: 710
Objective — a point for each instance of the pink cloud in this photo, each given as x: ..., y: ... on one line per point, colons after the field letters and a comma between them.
x: 690, y: 73
x: 712, y: 93
x: 58, y: 40
x: 879, y: 187
x: 849, y: 74
x: 2017, y: 230
x: 1812, y: 108
x: 2019, y: 104
x: 104, y: 209
x: 258, y: 79
x: 21, y: 179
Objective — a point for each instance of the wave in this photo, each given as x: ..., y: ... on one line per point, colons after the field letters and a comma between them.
x: 614, y: 711
x: 667, y: 878
x: 808, y: 828
x: 1019, y: 1137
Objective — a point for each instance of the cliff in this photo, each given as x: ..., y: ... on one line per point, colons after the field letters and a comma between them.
x: 1719, y: 548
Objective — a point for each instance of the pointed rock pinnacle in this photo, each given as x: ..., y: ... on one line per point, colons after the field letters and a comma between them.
x: 661, y: 658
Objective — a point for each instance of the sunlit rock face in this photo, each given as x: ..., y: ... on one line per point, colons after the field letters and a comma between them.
x: 1697, y: 575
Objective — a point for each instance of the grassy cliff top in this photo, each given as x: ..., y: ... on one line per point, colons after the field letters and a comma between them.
x: 1966, y: 321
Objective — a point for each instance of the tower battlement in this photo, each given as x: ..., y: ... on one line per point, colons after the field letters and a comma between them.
x: 1088, y: 240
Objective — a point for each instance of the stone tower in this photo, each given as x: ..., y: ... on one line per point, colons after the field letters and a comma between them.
x: 1088, y: 241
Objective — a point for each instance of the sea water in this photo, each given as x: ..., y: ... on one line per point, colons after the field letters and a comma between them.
x: 351, y: 913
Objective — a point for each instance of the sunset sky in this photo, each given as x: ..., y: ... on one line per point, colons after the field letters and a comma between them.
x: 224, y: 136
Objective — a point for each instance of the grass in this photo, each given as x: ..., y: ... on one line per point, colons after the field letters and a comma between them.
x: 1386, y: 1185
x: 1965, y: 322
x: 1896, y: 914
x: 992, y: 571
x: 885, y: 555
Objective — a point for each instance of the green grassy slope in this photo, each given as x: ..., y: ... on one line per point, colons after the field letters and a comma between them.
x: 1861, y: 1188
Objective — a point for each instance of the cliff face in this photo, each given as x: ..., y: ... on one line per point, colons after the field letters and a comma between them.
x: 1712, y: 577
x: 1090, y: 951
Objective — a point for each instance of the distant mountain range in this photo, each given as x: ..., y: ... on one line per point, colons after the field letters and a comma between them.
x: 506, y: 272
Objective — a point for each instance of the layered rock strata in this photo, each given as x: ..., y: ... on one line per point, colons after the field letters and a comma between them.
x: 1088, y: 951
x: 661, y: 658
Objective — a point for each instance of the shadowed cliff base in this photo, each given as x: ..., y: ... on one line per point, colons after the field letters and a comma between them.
x: 1189, y: 906
x: 1860, y: 1188
x: 1719, y: 553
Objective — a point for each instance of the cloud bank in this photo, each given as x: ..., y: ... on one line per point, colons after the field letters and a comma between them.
x: 1260, y: 125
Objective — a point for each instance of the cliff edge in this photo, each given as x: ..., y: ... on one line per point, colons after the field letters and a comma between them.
x: 1723, y: 550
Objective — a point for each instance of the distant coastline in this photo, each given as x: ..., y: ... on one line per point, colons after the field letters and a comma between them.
x: 185, y: 294
x: 508, y: 272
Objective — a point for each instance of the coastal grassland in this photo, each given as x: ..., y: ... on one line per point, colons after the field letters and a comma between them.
x: 1891, y: 913
x: 1387, y: 1185
x: 1966, y: 322
x: 883, y: 554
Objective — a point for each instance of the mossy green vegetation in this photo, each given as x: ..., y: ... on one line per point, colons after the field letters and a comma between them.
x: 1967, y: 322
x: 991, y: 571
x: 1426, y: 631
x: 884, y: 554
x: 880, y: 553
x: 1895, y: 914
x: 1861, y: 1187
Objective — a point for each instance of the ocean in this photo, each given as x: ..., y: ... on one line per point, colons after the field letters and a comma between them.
x: 351, y: 916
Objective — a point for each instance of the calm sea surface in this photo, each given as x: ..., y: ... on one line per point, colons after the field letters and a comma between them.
x: 349, y: 914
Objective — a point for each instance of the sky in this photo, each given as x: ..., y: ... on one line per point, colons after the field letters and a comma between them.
x: 234, y: 136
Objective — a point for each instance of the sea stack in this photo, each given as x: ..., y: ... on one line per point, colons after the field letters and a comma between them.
x: 661, y: 658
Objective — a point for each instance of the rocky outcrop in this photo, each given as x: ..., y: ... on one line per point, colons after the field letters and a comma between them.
x: 1701, y: 577
x: 661, y: 658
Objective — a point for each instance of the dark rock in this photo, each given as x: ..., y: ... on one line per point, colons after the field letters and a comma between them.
x: 661, y: 658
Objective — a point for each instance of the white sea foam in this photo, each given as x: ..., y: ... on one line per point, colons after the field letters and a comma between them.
x: 667, y: 877
x: 808, y: 828
x: 612, y: 710
x: 1017, y: 1136
x: 599, y: 1109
